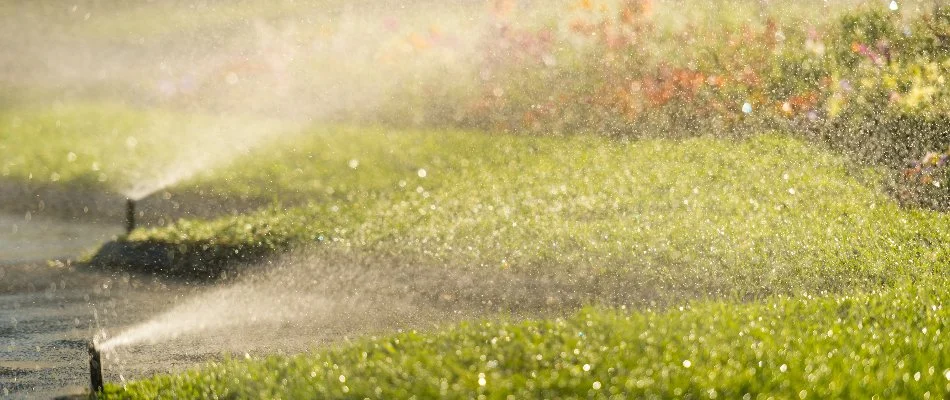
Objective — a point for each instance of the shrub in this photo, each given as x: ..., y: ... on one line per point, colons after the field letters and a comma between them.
x: 870, y: 84
x: 926, y: 182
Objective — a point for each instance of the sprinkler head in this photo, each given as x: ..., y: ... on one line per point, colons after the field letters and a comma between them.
x: 95, y: 369
x: 129, y: 215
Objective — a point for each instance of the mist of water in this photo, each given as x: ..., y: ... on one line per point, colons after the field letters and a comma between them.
x: 263, y: 302
x: 300, y: 62
x: 203, y: 148
x: 339, y: 291
x: 297, y: 290
x: 297, y: 63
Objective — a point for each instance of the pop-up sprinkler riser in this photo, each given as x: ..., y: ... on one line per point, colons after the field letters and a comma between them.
x: 95, y: 368
x: 129, y: 215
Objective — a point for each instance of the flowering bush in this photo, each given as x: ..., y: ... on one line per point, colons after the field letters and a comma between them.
x: 607, y: 69
x: 888, y: 103
x: 926, y: 181
x: 870, y: 83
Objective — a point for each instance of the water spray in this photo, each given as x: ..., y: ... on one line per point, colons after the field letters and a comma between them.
x: 95, y: 369
x: 129, y: 215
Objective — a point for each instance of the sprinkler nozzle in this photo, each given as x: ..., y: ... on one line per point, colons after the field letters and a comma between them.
x: 95, y: 369
x: 129, y: 215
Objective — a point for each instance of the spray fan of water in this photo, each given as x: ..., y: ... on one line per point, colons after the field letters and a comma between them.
x: 197, y: 148
x: 303, y: 300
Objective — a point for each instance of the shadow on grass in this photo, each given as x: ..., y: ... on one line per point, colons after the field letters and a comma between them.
x: 200, y: 261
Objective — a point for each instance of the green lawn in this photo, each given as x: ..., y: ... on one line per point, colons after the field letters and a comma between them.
x: 769, y: 243
x: 761, y: 267
x: 698, y: 218
x: 887, y: 344
x: 731, y: 227
x: 110, y: 147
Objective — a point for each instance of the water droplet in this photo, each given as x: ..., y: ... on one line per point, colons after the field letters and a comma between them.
x: 354, y: 163
x: 783, y: 368
x: 422, y: 173
x: 746, y: 107
x: 687, y: 364
x: 596, y: 385
x: 893, y: 5
x: 586, y: 367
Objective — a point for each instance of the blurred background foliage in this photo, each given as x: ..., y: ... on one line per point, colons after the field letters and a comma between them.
x: 868, y: 82
x: 865, y: 78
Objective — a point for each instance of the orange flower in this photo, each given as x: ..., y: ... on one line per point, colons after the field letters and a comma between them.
x: 581, y: 27
x: 529, y: 119
x: 628, y: 16
x: 646, y: 7
x: 502, y: 8
x: 418, y: 42
x: 632, y: 10
x: 716, y: 80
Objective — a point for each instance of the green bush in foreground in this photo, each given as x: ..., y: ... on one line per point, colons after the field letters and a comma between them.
x: 888, y: 343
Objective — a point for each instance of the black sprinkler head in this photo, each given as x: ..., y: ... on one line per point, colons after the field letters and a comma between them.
x: 129, y: 215
x: 95, y: 368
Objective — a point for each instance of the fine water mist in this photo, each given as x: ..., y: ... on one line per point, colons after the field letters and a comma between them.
x: 231, y: 89
x: 202, y: 148
x: 333, y: 292
x: 296, y: 290
x: 299, y: 64
x: 262, y: 302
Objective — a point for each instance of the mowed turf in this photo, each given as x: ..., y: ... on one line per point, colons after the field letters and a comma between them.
x: 779, y: 252
x: 888, y: 343
x: 798, y: 276
x: 112, y: 147
x: 662, y: 219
